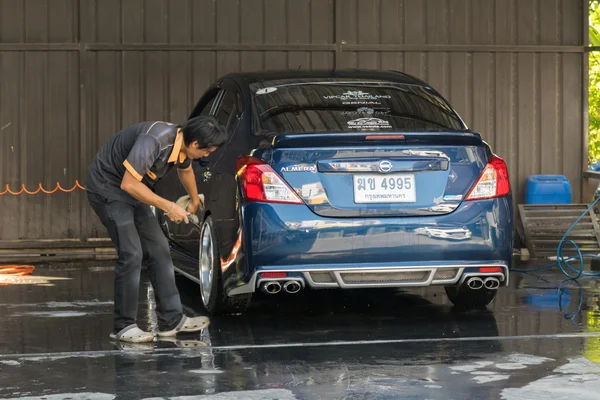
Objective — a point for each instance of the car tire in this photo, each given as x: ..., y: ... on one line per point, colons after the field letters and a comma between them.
x: 464, y: 297
x: 213, y: 295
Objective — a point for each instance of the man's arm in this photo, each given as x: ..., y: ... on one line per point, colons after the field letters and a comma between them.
x: 144, y: 153
x: 141, y: 192
x: 188, y: 179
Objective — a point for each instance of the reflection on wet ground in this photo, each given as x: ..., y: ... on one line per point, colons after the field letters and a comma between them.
x: 540, y: 339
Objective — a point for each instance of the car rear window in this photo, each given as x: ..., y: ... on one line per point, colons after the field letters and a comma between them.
x: 305, y: 106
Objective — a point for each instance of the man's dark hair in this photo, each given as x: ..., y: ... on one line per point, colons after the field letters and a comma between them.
x: 206, y: 130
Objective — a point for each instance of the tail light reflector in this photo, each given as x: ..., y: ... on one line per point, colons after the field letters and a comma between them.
x: 273, y: 275
x: 261, y: 183
x: 493, y: 181
x: 489, y: 270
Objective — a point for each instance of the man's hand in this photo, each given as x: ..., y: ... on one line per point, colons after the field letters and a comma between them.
x: 177, y: 214
x: 141, y: 192
x: 193, y: 206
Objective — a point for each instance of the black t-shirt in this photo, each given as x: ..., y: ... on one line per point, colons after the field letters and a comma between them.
x: 148, y: 150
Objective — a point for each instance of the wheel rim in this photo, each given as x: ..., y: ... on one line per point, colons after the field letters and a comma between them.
x: 206, y: 263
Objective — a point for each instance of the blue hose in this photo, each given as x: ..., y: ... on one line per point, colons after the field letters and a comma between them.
x: 563, y: 262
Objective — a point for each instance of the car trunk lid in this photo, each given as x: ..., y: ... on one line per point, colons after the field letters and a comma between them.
x: 369, y: 174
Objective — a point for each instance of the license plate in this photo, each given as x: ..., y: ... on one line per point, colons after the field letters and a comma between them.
x: 378, y: 188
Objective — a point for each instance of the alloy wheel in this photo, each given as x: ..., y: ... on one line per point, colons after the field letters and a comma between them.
x: 206, y: 263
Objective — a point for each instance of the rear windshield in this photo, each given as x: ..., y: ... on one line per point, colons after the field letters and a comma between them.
x: 349, y: 106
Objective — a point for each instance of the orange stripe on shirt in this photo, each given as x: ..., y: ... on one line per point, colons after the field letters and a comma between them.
x: 132, y: 170
x: 177, y: 148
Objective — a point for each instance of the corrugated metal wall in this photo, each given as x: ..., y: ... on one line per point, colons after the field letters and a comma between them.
x: 73, y: 72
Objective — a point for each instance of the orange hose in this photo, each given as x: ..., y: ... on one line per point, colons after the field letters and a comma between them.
x: 16, y: 270
x: 68, y: 190
x: 28, y: 192
x: 48, y: 192
x: 13, y: 193
x: 41, y: 188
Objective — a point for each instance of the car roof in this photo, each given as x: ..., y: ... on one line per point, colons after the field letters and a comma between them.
x: 367, y: 74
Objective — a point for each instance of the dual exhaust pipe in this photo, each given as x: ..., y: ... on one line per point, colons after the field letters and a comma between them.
x: 294, y: 286
x: 274, y: 287
x: 477, y: 283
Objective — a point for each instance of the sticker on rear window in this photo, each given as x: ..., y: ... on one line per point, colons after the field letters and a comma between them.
x: 365, y: 110
x: 358, y: 97
x: 366, y: 123
x: 266, y: 90
x: 362, y: 111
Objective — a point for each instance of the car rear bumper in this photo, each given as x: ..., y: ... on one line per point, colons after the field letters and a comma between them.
x: 336, y: 276
x: 375, y: 252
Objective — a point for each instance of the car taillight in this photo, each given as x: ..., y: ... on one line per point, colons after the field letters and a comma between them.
x: 261, y: 183
x: 493, y: 181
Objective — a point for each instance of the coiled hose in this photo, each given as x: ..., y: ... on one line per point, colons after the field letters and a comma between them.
x: 16, y: 270
x: 7, y: 271
x: 563, y: 262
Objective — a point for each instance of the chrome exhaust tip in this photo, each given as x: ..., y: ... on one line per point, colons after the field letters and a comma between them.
x: 492, y: 283
x: 475, y: 283
x: 271, y: 287
x: 292, y: 287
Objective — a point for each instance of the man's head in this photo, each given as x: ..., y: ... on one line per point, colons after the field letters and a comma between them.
x: 201, y: 136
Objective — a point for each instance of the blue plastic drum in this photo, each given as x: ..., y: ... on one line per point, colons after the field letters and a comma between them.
x: 547, y: 189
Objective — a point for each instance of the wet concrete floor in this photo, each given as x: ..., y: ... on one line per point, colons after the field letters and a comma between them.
x: 540, y: 339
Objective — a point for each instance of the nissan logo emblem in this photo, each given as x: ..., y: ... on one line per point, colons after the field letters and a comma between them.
x: 385, y: 166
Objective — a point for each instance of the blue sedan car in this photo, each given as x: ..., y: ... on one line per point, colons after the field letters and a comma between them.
x: 342, y: 180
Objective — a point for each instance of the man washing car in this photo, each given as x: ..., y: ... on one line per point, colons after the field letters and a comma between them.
x: 120, y: 184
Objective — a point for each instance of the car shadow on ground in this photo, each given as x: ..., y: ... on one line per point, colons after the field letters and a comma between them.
x: 342, y: 315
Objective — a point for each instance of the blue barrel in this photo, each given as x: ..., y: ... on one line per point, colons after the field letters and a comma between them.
x: 547, y: 189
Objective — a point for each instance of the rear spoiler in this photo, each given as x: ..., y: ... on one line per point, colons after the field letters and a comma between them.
x: 377, y: 138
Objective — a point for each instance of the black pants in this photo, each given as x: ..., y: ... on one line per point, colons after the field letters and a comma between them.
x: 135, y: 232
